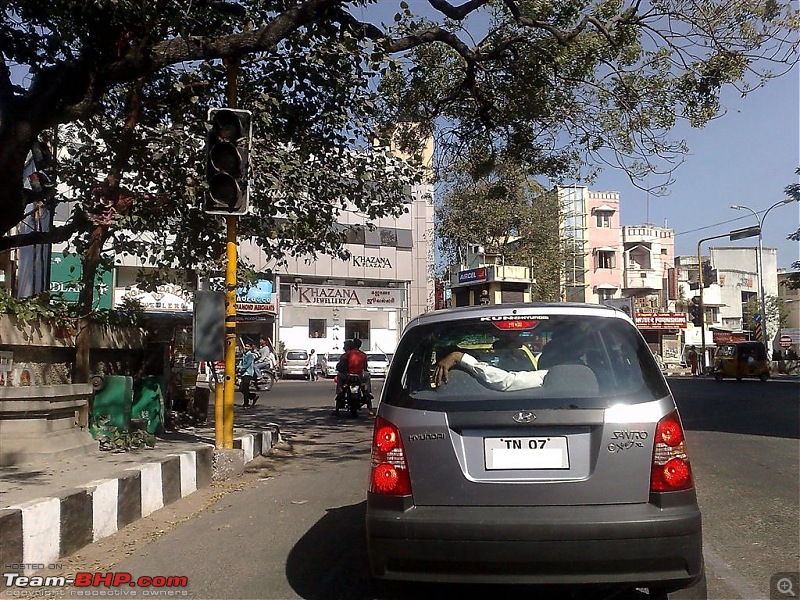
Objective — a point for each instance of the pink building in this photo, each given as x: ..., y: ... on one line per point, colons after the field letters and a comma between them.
x: 604, y: 277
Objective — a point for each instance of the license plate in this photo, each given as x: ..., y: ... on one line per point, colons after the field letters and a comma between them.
x: 525, y: 453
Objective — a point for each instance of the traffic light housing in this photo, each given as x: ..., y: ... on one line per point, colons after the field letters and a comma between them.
x: 694, y: 313
x: 230, y: 132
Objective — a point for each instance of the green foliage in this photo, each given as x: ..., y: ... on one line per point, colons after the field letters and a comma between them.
x: 497, y: 205
x: 112, y: 439
x: 63, y: 315
x: 777, y: 312
x: 43, y: 307
x: 793, y: 191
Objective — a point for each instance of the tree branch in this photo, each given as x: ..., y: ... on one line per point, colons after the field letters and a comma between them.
x: 55, y: 235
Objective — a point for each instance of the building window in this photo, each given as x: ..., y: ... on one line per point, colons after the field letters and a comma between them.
x: 354, y: 329
x: 388, y: 237
x: 605, y: 259
x: 603, y: 220
x: 317, y: 328
x: 286, y: 292
x: 605, y: 294
x: 355, y: 235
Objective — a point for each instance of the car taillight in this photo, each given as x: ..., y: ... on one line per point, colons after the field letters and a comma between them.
x: 389, y: 473
x: 670, y: 470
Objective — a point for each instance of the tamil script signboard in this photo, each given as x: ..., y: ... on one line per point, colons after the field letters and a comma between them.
x: 660, y: 320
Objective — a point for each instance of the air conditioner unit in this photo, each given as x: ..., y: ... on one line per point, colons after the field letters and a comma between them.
x: 476, y: 249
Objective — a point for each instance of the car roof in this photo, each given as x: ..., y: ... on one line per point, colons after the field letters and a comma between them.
x: 521, y: 309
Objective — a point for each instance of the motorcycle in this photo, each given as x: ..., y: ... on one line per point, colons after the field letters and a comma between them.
x: 353, y: 396
x: 263, y: 383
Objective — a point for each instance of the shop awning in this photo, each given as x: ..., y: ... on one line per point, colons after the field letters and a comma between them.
x: 604, y: 208
x: 606, y: 286
x: 605, y: 249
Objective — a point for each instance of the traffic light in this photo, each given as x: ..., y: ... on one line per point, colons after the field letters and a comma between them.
x: 694, y: 313
x: 230, y: 132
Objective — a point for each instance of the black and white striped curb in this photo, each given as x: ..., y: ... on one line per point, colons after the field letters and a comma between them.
x: 41, y: 531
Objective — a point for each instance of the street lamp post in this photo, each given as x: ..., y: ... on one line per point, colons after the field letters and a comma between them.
x: 760, y: 261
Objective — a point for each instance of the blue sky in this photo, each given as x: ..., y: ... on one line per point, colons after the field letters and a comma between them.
x: 746, y: 157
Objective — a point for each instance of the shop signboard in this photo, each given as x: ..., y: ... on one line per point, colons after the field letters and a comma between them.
x: 472, y: 275
x: 332, y: 295
x: 660, y: 320
x: 65, y: 277
x: 728, y: 337
x: 167, y: 298
x: 256, y: 300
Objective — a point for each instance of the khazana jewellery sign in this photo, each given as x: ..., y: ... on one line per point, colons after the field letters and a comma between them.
x: 346, y: 296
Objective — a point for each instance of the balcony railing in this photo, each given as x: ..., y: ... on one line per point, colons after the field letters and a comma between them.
x: 643, y: 279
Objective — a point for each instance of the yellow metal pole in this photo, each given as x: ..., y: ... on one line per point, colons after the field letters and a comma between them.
x: 230, y: 330
x: 219, y: 416
x: 232, y: 73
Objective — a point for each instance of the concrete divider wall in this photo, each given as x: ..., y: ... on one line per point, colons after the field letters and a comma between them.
x: 41, y: 531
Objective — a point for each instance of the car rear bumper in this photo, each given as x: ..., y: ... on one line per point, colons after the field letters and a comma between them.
x: 624, y: 544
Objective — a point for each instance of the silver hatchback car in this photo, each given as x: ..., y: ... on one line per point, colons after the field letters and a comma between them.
x: 532, y: 443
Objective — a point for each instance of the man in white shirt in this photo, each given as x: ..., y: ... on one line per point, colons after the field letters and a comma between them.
x: 266, y: 357
x: 492, y: 377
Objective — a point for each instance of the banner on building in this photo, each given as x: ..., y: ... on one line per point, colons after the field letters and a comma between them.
x: 65, y: 280
x: 347, y: 296
x: 728, y: 337
x: 472, y: 275
x: 661, y: 320
x: 257, y: 300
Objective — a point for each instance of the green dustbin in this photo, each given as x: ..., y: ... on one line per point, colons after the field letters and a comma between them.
x: 111, y: 405
x: 148, y: 403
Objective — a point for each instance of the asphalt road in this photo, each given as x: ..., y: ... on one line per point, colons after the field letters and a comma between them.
x: 293, y: 526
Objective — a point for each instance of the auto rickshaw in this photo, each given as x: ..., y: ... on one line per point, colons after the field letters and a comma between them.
x: 741, y: 359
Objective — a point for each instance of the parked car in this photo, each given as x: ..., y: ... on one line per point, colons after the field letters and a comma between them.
x: 295, y: 364
x: 377, y: 364
x: 573, y: 471
x: 331, y: 358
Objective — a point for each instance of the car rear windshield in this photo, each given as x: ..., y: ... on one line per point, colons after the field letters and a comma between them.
x: 296, y: 355
x: 598, y: 360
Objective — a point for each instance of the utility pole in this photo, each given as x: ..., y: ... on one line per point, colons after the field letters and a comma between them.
x: 760, y: 264
x: 737, y: 234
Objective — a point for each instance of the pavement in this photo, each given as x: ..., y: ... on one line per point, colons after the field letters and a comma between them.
x: 51, y: 511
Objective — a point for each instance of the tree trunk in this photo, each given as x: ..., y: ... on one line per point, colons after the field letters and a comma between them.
x: 91, y: 260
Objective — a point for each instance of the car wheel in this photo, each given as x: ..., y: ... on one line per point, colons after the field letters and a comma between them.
x: 717, y: 376
x: 764, y: 376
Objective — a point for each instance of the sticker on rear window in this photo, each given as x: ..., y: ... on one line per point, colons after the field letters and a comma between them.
x: 515, y: 318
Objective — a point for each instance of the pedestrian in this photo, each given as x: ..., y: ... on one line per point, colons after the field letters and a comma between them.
x: 692, y: 354
x: 247, y: 371
x: 312, y: 366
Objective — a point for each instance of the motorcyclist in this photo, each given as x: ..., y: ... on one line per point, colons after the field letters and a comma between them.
x: 265, y: 359
x: 353, y: 362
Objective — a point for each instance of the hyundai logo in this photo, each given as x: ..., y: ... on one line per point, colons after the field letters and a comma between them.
x: 524, y: 417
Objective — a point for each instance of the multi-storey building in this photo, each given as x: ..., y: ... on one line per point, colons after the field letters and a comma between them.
x: 590, y: 232
x: 648, y: 254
